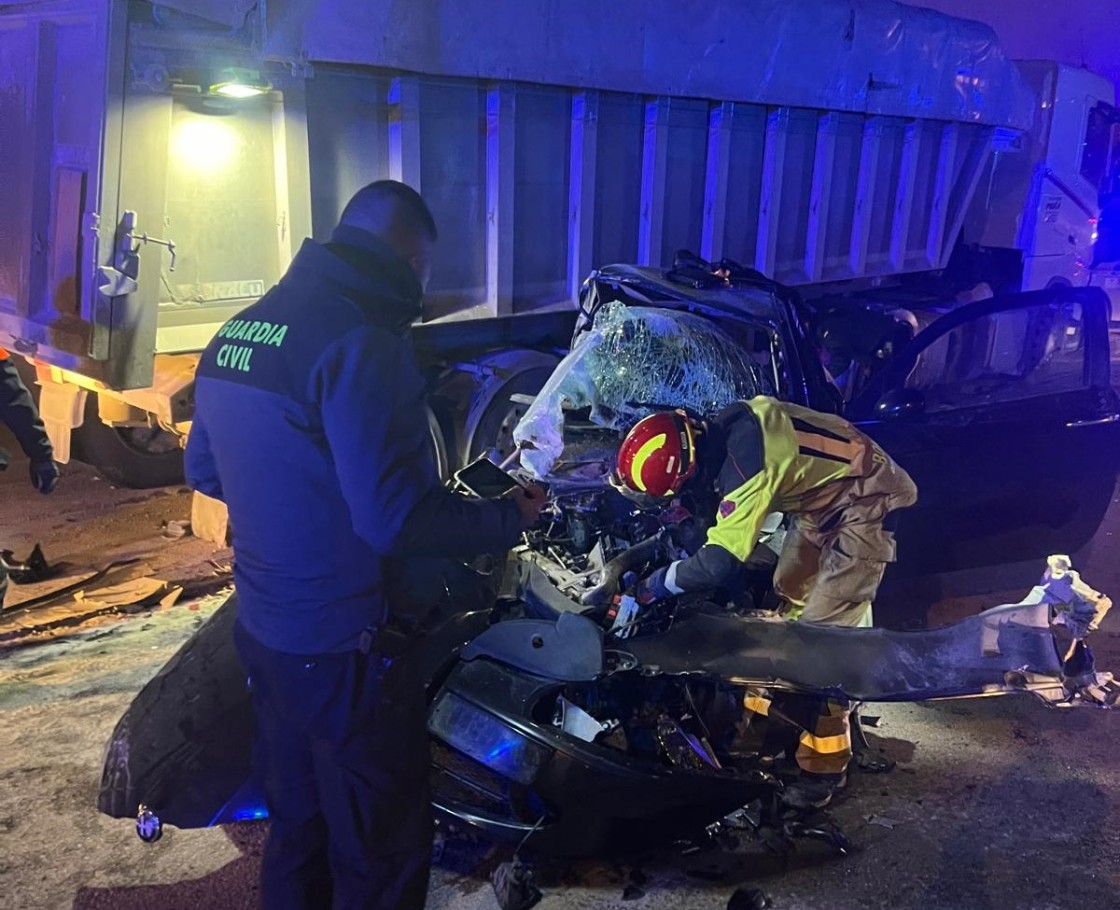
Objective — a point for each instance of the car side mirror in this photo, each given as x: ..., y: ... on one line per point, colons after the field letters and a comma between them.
x: 900, y: 403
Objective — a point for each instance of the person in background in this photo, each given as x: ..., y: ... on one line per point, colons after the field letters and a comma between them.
x: 18, y: 412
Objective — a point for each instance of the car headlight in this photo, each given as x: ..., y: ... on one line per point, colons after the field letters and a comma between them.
x: 485, y: 738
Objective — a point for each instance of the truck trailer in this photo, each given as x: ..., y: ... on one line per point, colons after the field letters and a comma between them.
x: 160, y: 163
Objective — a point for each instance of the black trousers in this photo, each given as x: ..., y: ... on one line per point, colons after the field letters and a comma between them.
x: 342, y: 753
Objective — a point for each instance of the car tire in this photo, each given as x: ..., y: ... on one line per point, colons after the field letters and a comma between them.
x: 130, y: 457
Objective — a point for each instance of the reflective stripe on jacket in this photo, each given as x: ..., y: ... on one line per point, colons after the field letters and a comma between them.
x: 779, y: 457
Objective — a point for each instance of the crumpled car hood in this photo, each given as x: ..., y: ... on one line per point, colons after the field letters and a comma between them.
x: 1034, y: 646
x: 1005, y: 649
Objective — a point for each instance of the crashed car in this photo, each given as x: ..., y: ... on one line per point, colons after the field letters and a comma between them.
x: 577, y: 736
x: 1001, y: 411
x: 547, y: 732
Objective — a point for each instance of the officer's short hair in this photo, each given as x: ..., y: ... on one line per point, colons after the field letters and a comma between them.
x: 387, y: 205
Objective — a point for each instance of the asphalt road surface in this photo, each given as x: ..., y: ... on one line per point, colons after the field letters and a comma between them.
x: 995, y: 805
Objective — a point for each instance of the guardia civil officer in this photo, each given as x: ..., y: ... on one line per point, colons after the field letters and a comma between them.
x: 310, y: 425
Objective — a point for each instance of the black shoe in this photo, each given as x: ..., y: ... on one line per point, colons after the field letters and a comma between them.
x: 812, y: 791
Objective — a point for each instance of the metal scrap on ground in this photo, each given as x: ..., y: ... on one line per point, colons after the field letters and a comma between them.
x: 125, y: 587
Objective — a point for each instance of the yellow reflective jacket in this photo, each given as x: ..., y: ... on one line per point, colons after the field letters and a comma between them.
x: 779, y: 458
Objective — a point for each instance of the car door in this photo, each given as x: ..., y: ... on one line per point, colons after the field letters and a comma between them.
x: 1003, y: 414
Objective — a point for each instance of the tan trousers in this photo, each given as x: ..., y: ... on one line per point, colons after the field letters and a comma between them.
x: 833, y: 559
x: 831, y: 564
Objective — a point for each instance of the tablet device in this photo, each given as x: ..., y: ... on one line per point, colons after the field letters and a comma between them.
x: 485, y: 479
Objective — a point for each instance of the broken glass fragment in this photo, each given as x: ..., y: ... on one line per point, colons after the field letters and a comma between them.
x: 633, y: 361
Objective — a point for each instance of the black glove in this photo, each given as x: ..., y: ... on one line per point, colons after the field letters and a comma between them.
x: 652, y: 588
x: 44, y: 475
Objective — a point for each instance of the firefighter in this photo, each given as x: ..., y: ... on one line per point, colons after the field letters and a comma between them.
x: 763, y: 456
x: 310, y: 425
x: 18, y: 412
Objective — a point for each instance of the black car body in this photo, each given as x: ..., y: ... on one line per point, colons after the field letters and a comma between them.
x: 1002, y: 411
x: 546, y: 731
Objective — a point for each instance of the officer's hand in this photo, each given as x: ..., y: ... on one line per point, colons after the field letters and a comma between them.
x: 44, y: 475
x: 530, y: 500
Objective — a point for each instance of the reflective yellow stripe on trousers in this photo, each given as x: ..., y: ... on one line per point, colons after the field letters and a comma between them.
x: 825, y: 745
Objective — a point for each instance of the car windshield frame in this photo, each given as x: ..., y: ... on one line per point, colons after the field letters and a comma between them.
x: 769, y: 308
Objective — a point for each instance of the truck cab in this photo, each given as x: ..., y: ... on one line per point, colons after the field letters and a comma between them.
x: 1063, y: 162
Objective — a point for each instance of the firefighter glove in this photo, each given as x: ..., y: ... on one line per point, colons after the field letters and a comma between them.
x: 652, y: 588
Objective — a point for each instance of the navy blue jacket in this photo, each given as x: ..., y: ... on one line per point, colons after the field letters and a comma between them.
x: 310, y: 424
x: 18, y: 411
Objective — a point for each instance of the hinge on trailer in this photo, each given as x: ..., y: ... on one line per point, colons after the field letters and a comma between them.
x: 120, y: 278
x: 127, y: 252
x: 115, y: 283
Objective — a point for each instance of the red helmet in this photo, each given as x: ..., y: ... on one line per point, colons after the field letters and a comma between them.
x: 658, y: 455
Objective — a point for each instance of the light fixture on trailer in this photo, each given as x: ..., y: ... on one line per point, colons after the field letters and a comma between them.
x: 239, y: 83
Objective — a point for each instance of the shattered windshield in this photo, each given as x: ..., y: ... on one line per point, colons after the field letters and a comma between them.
x: 635, y: 360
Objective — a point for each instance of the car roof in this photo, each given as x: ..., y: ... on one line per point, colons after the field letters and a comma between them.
x: 670, y: 289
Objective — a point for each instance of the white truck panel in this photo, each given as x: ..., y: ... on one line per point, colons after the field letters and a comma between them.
x: 817, y: 141
x: 524, y: 181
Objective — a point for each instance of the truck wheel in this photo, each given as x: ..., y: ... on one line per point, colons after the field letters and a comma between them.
x: 493, y: 415
x: 137, y: 457
x: 439, y: 445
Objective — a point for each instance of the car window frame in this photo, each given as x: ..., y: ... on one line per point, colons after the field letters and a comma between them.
x: 1094, y: 308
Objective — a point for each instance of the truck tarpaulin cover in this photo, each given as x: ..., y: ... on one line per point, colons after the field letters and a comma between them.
x: 635, y: 360
x: 231, y: 13
x: 873, y: 56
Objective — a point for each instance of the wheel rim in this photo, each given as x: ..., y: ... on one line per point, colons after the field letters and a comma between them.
x: 503, y: 439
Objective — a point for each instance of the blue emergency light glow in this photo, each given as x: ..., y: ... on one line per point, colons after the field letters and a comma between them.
x: 499, y: 751
x: 244, y: 806
x: 250, y: 814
